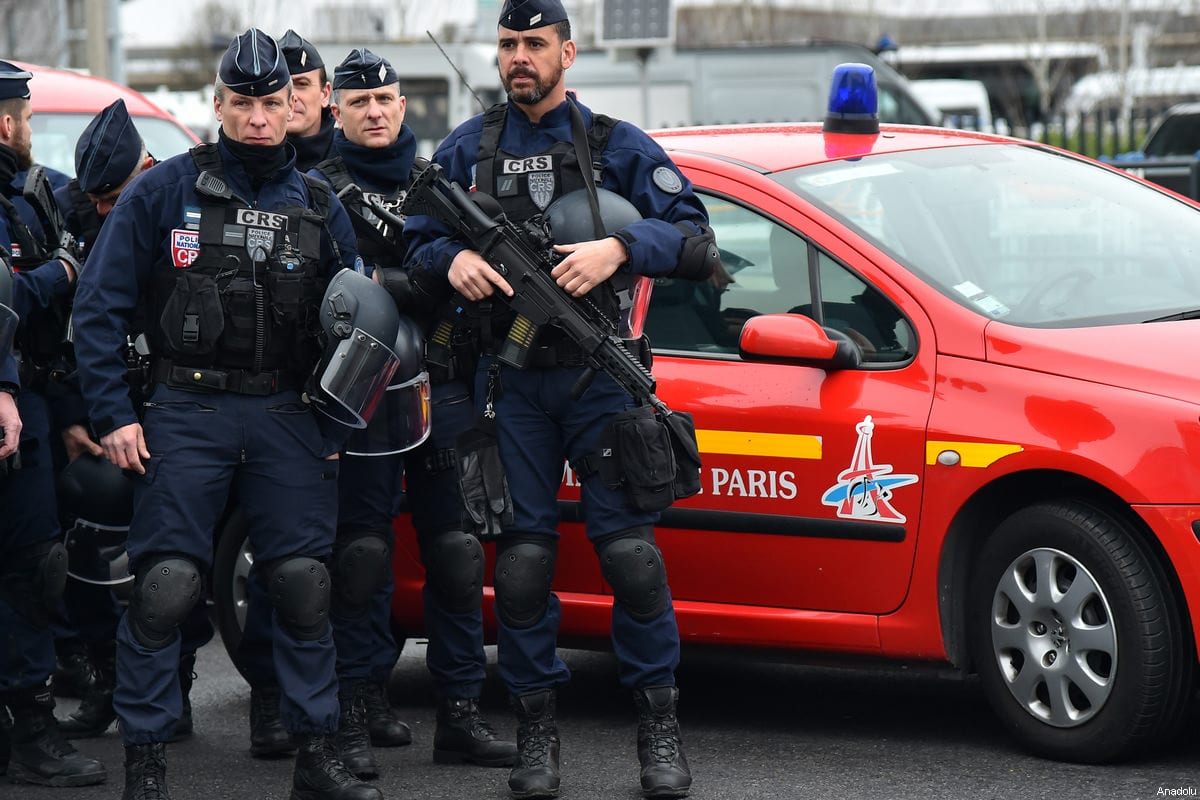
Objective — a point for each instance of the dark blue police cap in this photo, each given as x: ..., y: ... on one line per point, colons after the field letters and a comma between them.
x: 522, y: 15
x: 362, y: 69
x: 253, y: 65
x: 300, y: 54
x: 14, y: 81
x: 108, y: 151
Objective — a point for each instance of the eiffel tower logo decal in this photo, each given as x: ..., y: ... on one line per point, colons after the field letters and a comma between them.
x: 864, y: 491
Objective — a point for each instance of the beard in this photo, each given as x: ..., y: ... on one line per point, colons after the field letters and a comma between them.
x: 24, y: 157
x: 541, y: 86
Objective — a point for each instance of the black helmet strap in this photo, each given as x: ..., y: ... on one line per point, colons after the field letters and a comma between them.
x: 584, y: 156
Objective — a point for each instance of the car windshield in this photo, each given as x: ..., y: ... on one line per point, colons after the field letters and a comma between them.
x: 1020, y: 233
x: 55, y: 135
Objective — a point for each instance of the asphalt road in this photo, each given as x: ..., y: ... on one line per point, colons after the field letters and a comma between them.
x: 753, y: 730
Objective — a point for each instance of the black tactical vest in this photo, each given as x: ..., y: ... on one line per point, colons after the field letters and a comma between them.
x: 249, y: 299
x: 378, y: 242
x: 525, y: 186
x: 41, y: 341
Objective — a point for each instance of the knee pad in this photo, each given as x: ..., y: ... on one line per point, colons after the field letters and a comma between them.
x: 164, y: 591
x: 454, y: 570
x: 299, y: 590
x: 33, y: 580
x: 633, y: 567
x: 524, y: 572
x: 360, y: 565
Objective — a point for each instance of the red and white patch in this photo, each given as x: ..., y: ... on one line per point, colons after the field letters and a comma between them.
x: 185, y: 246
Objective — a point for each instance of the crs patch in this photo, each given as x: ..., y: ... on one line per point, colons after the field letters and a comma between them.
x: 185, y: 247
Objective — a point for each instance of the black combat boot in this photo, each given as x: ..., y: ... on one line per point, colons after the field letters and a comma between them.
x: 268, y: 737
x: 665, y: 770
x: 320, y: 774
x: 95, y: 713
x: 463, y: 735
x: 74, y: 672
x: 38, y: 753
x: 385, y: 727
x: 146, y: 772
x: 187, y: 677
x: 353, y: 740
x: 536, y: 770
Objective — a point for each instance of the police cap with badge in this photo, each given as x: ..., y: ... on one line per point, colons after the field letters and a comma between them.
x: 362, y: 69
x: 108, y: 151
x: 299, y: 53
x: 254, y: 65
x: 14, y: 81
x: 523, y: 15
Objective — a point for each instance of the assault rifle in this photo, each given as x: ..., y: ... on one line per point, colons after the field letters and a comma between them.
x: 537, y: 299
x: 59, y: 242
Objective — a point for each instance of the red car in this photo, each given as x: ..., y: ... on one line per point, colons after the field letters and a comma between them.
x: 65, y: 101
x: 945, y: 404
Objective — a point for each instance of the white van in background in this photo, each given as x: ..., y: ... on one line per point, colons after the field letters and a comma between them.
x: 962, y: 103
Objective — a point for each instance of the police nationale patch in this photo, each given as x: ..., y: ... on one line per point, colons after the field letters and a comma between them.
x: 666, y: 179
x: 541, y: 188
x: 185, y: 246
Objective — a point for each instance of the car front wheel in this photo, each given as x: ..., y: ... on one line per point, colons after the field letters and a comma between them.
x: 1077, y: 636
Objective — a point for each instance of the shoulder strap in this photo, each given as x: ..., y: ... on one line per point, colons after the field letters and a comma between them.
x: 320, y: 194
x: 489, y: 145
x: 334, y: 169
x: 602, y: 128
x: 207, y: 157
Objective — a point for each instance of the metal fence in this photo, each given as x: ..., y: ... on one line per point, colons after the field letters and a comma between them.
x: 1100, y: 134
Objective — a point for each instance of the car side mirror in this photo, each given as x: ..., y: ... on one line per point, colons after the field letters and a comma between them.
x: 797, y: 339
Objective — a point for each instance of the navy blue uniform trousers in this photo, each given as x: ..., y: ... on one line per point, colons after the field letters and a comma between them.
x: 369, y: 496
x: 28, y: 516
x: 539, y: 423
x: 202, y: 445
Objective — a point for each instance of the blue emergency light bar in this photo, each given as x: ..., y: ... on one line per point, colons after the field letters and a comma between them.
x: 853, y: 100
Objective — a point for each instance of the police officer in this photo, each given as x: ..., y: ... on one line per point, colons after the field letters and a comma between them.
x: 109, y: 154
x: 311, y: 128
x: 229, y: 249
x: 32, y: 560
x: 538, y: 420
x: 374, y: 152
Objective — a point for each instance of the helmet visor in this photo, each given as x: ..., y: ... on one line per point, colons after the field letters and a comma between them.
x: 96, y: 553
x: 356, y: 377
x: 401, y: 421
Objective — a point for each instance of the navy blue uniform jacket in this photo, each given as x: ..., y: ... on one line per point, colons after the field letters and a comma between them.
x: 629, y: 162
x: 135, y: 242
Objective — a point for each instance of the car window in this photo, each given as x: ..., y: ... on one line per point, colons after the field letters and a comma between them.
x: 766, y: 271
x: 1020, y: 233
x: 1178, y: 135
x: 55, y: 135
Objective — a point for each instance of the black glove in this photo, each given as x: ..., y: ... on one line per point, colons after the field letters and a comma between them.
x: 482, y: 481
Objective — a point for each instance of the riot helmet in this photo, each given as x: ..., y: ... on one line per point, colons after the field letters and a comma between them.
x: 8, y: 317
x: 570, y: 216
x: 402, y: 420
x: 96, y: 501
x: 359, y: 321
x: 570, y: 220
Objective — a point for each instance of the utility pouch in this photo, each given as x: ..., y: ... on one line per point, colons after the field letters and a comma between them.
x: 193, y: 318
x: 645, y: 456
x: 682, y: 429
x: 482, y: 481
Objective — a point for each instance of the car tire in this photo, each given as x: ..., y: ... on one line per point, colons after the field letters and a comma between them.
x: 231, y: 571
x: 1077, y: 635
